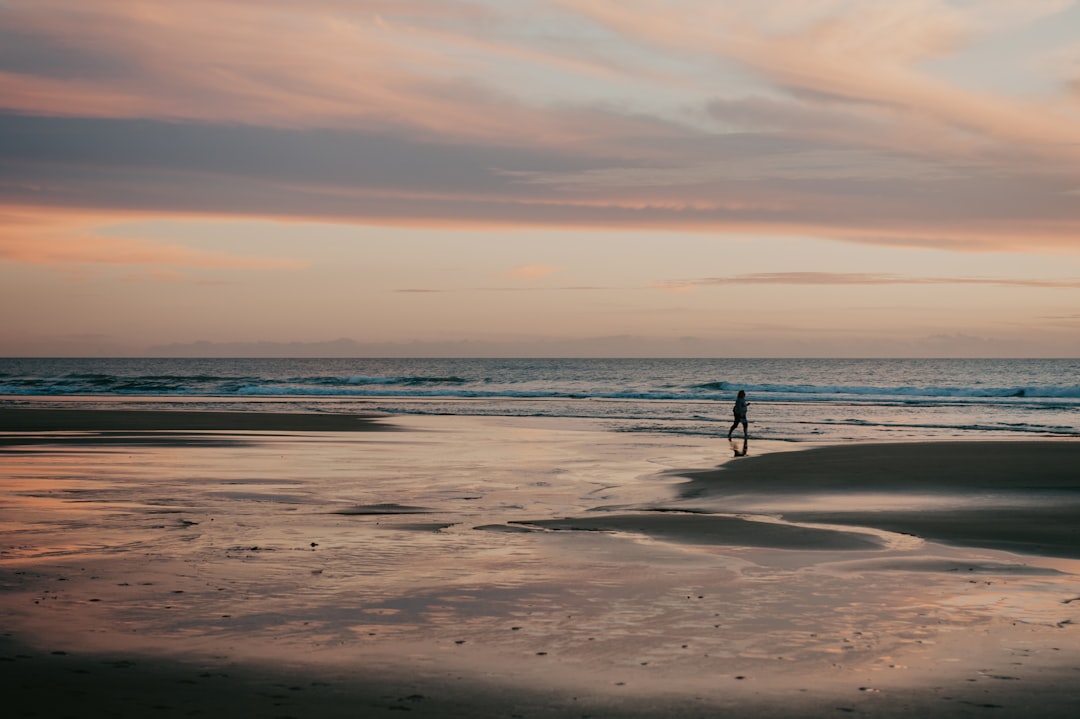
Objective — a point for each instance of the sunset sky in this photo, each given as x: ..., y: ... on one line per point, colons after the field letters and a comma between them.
x: 540, y: 177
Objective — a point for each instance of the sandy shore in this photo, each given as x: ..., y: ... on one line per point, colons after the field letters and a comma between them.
x: 486, y: 567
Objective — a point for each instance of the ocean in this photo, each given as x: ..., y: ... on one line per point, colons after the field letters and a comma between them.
x: 825, y: 400
x: 791, y: 399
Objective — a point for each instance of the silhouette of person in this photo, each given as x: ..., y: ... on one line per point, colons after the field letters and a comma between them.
x: 740, y: 414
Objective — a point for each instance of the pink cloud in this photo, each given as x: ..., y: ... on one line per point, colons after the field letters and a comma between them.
x: 860, y: 52
x: 323, y: 63
x: 54, y: 238
x: 235, y: 61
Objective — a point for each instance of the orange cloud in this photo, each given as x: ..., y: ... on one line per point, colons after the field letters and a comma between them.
x: 233, y: 61
x: 50, y: 237
x: 323, y: 63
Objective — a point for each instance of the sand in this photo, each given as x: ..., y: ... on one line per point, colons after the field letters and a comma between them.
x: 165, y: 564
x: 99, y: 421
x: 1020, y: 496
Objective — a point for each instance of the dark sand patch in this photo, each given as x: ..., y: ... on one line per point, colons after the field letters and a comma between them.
x: 908, y: 467
x: 1047, y: 531
x: 366, y: 509
x: 941, y: 565
x: 716, y: 530
x: 508, y: 528
x: 1038, y: 482
x: 421, y: 526
x: 106, y: 420
x: 33, y: 442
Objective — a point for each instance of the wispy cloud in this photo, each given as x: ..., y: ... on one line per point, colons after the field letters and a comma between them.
x: 863, y: 54
x: 859, y: 278
x: 422, y: 64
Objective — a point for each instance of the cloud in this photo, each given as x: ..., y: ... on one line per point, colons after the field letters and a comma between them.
x: 746, y: 184
x: 866, y: 55
x: 30, y: 236
x: 424, y: 65
x: 82, y: 248
x: 859, y: 278
x: 207, y: 60
x: 462, y: 114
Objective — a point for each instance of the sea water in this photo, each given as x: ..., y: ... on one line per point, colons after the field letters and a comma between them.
x: 790, y: 399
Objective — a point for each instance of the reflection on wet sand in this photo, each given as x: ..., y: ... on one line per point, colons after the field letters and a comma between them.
x: 368, y: 561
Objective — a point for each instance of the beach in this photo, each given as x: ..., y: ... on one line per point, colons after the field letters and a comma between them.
x: 298, y: 564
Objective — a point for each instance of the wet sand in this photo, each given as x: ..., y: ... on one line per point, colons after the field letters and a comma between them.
x: 95, y: 420
x: 158, y: 563
x: 1017, y: 496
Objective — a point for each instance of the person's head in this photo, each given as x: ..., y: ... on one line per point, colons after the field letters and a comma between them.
x: 742, y: 393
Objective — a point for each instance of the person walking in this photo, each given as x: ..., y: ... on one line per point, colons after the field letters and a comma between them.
x: 740, y: 414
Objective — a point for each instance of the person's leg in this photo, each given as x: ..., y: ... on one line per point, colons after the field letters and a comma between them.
x: 745, y: 430
x: 732, y: 428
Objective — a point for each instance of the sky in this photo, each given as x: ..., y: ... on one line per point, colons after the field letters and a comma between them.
x: 641, y: 178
